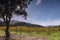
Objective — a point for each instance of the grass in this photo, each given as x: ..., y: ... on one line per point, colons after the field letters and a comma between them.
x: 55, y: 35
x: 52, y: 34
x: 2, y: 33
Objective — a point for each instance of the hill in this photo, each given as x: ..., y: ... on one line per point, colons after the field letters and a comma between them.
x: 18, y: 23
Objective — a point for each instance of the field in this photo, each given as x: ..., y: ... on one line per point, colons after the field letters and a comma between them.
x: 51, y: 33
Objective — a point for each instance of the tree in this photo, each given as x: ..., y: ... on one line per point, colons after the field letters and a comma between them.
x: 8, y: 8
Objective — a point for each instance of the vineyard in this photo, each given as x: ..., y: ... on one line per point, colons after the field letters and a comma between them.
x: 24, y: 28
x: 52, y: 33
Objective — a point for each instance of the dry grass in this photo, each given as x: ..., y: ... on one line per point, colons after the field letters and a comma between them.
x: 52, y: 33
x: 24, y: 28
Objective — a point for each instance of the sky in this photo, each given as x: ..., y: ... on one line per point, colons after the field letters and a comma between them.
x: 42, y: 12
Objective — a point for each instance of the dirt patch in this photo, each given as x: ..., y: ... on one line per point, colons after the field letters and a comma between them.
x: 24, y: 37
x: 3, y: 38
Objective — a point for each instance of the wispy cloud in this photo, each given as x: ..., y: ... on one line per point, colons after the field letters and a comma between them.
x: 44, y: 23
x: 38, y: 2
x: 47, y: 23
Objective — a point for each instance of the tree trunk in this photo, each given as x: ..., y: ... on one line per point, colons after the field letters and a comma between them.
x: 7, y: 36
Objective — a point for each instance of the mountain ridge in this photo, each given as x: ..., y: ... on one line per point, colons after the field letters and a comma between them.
x: 20, y: 23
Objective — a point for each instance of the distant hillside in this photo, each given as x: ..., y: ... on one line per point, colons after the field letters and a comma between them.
x: 54, y: 26
x: 18, y: 23
x: 27, y: 24
x: 1, y: 23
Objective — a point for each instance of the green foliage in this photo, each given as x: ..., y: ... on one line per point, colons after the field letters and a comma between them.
x: 10, y: 7
x: 53, y: 35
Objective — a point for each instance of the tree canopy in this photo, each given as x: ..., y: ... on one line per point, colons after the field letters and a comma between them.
x: 10, y: 7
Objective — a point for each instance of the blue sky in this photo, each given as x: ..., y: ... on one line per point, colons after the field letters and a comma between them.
x: 42, y: 12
